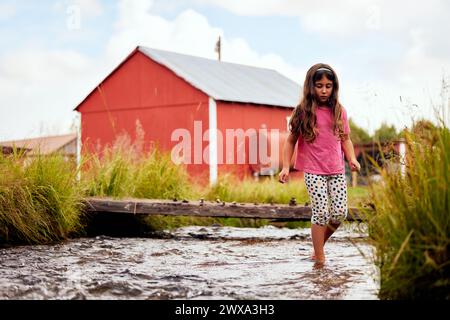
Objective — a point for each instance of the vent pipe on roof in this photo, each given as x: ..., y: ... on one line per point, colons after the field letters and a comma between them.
x: 218, y: 48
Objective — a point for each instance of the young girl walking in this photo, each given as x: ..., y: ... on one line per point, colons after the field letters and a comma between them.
x: 319, y: 123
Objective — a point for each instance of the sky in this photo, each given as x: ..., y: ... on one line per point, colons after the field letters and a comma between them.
x: 391, y: 57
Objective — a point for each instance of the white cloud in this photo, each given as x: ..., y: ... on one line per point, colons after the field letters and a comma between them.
x: 189, y: 33
x: 39, y: 89
x: 345, y: 17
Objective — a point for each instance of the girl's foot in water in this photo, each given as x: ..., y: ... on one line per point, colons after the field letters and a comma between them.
x: 320, y: 260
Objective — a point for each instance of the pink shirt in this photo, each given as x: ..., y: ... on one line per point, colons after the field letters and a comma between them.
x: 325, y: 154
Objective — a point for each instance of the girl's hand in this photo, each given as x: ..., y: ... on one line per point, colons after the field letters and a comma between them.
x: 284, y: 174
x: 354, y: 165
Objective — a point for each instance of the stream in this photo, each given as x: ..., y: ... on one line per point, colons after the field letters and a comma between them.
x: 194, y: 262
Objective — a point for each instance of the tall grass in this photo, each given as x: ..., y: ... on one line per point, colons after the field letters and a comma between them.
x: 40, y: 200
x: 228, y: 188
x: 125, y: 170
x: 411, y: 227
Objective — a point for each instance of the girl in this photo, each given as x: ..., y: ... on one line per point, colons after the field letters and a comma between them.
x: 320, y: 125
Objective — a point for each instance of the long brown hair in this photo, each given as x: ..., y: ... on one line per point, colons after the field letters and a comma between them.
x: 303, y: 119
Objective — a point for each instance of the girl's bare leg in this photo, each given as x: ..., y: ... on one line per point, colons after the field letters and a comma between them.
x: 318, y: 239
x: 328, y: 231
x: 331, y: 228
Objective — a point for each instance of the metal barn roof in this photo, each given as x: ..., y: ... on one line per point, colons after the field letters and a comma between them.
x: 229, y: 81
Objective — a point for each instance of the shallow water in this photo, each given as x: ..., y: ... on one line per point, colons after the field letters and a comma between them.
x: 193, y: 263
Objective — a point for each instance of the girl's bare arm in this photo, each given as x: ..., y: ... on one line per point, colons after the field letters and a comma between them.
x: 288, y: 151
x: 349, y: 151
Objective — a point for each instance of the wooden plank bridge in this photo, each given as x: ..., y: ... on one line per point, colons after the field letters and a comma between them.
x: 202, y: 208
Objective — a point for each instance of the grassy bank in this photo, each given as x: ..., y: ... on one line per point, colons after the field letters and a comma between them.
x: 40, y: 199
x: 120, y: 172
x: 411, y: 227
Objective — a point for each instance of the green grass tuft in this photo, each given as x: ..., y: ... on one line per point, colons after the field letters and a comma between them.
x: 411, y: 227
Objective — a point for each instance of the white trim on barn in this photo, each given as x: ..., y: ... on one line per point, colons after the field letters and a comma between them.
x: 78, y: 125
x: 212, y: 141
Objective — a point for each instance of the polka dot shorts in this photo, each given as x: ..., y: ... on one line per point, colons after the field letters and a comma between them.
x: 323, y: 189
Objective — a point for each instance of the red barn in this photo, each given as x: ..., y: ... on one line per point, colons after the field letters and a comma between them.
x: 183, y: 100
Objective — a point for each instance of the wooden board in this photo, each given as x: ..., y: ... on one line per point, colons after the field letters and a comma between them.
x: 206, y: 209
